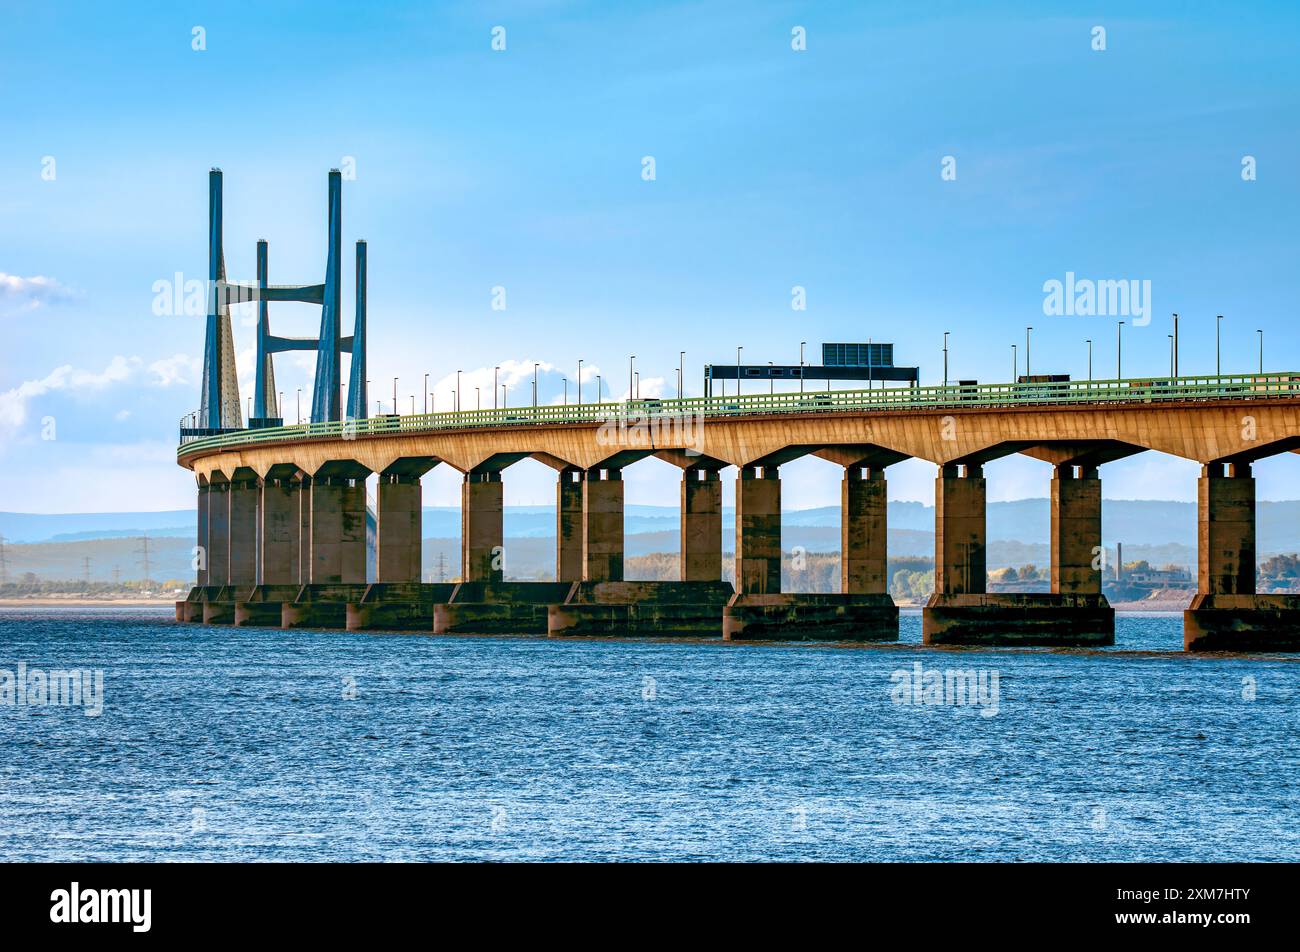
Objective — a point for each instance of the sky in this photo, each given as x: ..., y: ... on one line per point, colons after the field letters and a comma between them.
x: 916, y: 168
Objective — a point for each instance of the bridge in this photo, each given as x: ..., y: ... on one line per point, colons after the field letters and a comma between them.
x: 282, y: 509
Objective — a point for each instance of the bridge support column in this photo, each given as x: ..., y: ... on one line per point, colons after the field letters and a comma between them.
x: 1226, y: 614
x: 602, y: 528
x: 338, y: 531
x: 398, y: 528
x: 1076, y: 531
x: 758, y: 530
x: 202, y: 538
x: 701, y: 529
x: 281, y: 526
x: 219, y: 534
x: 279, y: 551
x: 961, y: 612
x: 244, y: 497
x: 760, y: 611
x: 960, y: 564
x: 864, y: 558
x: 481, y: 528
x: 1225, y: 531
x: 568, y: 526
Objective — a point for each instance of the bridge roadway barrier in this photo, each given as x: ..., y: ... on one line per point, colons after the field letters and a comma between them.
x: 490, y: 608
x: 797, y: 616
x: 640, y: 609
x: 1019, y: 618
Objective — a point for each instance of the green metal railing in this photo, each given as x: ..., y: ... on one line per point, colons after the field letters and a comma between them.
x: 956, y: 396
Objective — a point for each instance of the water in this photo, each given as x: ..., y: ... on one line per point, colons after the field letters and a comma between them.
x: 240, y: 744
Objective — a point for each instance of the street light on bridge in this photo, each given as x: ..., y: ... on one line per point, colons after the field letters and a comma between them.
x: 945, y: 358
x: 1015, y: 364
x: 738, y: 350
x: 1119, y: 351
x: 801, y: 347
x: 300, y: 404
x: 458, y: 391
x: 1261, y: 350
x: 1218, y: 322
x: 426, y: 394
x: 1175, y: 345
x: 681, y: 372
x: 579, y: 381
x: 394, y: 396
x: 1089, y: 343
x: 630, y: 362
x: 535, y: 366
x: 1027, y: 332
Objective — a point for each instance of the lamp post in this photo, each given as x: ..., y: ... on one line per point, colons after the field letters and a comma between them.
x: 494, y: 386
x: 771, y: 381
x: 535, y: 366
x: 426, y: 394
x: 1119, y: 351
x: 394, y: 396
x: 1015, y: 364
x: 681, y: 372
x: 566, y: 390
x: 738, y: 350
x: 600, y: 390
x: 458, y: 391
x: 637, y: 388
x: 1171, y: 355
x: 579, y: 381
x: 478, y: 401
x: 1261, y: 350
x: 631, y: 361
x: 801, y: 346
x: 1027, y: 332
x: 1218, y: 368
x: 300, y: 405
x: 279, y: 407
x: 945, y: 358
x: 503, y: 396
x: 1089, y: 343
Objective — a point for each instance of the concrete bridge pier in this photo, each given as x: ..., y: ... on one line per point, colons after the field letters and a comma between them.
x: 602, y: 525
x: 217, y: 610
x: 482, y: 531
x: 961, y: 612
x: 568, y: 526
x: 336, y: 568
x: 760, y: 611
x: 398, y: 601
x: 1226, y: 613
x: 701, y: 525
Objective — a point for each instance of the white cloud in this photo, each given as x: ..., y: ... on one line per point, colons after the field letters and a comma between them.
x: 19, y: 294
x: 177, y: 369
x: 13, y: 403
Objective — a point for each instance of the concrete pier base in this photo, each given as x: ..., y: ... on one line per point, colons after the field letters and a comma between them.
x: 191, y: 609
x: 498, y: 608
x: 262, y: 606
x: 1014, y: 618
x: 1242, y: 623
x: 321, y: 606
x: 218, y: 613
x: 397, y: 606
x: 640, y: 609
x: 810, y: 617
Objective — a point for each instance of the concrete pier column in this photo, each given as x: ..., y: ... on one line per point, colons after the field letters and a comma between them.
x: 202, y: 536
x: 219, y: 533
x: 701, y: 546
x: 245, y: 493
x: 399, y: 528
x: 758, y: 531
x: 1225, y: 550
x: 338, y: 530
x: 281, y: 531
x: 1076, y: 531
x: 864, y: 549
x: 482, y: 531
x: 960, y: 565
x: 568, y: 526
x: 602, y: 525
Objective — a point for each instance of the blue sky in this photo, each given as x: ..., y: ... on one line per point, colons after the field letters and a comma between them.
x: 522, y: 169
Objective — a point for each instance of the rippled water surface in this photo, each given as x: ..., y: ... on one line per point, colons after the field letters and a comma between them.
x: 225, y: 744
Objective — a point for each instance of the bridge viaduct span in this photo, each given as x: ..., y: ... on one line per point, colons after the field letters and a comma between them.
x: 282, y: 511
